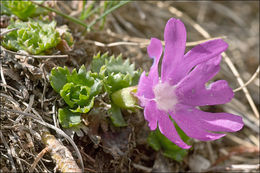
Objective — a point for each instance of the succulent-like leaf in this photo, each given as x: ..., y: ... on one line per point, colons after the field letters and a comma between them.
x: 116, y: 72
x: 82, y: 77
x: 22, y: 9
x: 115, y: 82
x: 74, y: 94
x: 118, y: 65
x: 86, y: 108
x: 58, y: 78
x: 117, y: 75
x: 98, y: 61
x: 116, y: 116
x: 78, y: 89
x: 35, y: 37
x: 68, y: 119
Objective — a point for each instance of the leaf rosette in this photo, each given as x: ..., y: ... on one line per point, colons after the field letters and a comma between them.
x: 115, y: 72
x: 22, y: 9
x: 78, y: 89
x: 117, y: 75
x: 35, y: 37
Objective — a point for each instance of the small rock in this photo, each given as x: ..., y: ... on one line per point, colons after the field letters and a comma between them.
x: 197, y: 163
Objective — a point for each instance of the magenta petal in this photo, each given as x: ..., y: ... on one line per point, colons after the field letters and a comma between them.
x: 151, y: 114
x: 144, y: 90
x: 155, y: 51
x: 167, y: 128
x: 192, y: 90
x: 217, y: 93
x: 146, y: 83
x: 175, y: 42
x: 203, y: 52
x: 219, y: 122
x: 199, y: 54
x: 187, y: 122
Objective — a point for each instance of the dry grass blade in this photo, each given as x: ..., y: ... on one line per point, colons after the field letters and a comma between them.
x: 2, y: 75
x: 145, y: 42
x: 237, y: 168
x: 7, y: 31
x: 241, y: 83
x: 51, y: 141
x: 39, y: 156
x: 8, y: 151
x: 249, y: 81
x: 34, y: 56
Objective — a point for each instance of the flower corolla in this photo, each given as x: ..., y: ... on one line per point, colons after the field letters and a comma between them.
x: 176, y: 93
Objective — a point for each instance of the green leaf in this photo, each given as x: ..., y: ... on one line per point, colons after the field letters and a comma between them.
x: 35, y: 37
x: 86, y: 108
x: 22, y: 9
x: 159, y: 142
x: 116, y: 82
x: 116, y: 116
x: 58, y: 78
x: 136, y: 77
x: 125, y: 99
x: 67, y: 118
x: 82, y: 77
x: 96, y: 88
x: 115, y: 72
x: 86, y: 79
x: 75, y: 94
x: 98, y: 61
x: 118, y: 65
x: 78, y: 89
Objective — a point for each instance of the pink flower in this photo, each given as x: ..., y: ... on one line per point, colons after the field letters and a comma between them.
x: 181, y: 88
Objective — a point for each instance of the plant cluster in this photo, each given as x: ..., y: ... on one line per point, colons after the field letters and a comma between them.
x: 33, y: 36
x: 108, y: 74
x: 170, y: 99
x: 22, y: 9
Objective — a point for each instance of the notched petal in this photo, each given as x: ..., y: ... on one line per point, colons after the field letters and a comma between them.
x: 144, y: 90
x: 151, y: 114
x: 197, y: 124
x: 175, y: 43
x: 155, y: 49
x: 167, y: 128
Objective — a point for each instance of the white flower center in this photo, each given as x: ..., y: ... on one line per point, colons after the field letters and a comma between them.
x: 165, y: 97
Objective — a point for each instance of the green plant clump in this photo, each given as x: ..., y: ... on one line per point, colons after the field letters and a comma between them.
x: 35, y: 37
x: 117, y: 76
x: 22, y: 9
x: 79, y: 89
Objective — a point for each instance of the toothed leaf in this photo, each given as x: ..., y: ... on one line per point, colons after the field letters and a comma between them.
x: 116, y: 72
x: 78, y: 89
x: 35, y: 37
x: 98, y: 61
x: 115, y: 82
x: 22, y: 9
